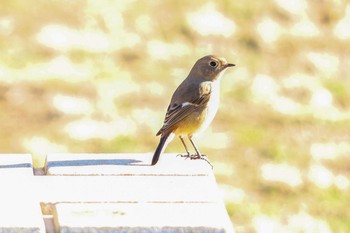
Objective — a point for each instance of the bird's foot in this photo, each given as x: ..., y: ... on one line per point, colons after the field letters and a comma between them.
x: 186, y: 156
x: 196, y: 156
x: 190, y: 156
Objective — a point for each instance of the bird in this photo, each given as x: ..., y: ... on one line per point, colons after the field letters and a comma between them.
x: 193, y: 105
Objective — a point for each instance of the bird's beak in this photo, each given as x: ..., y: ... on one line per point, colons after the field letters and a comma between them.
x: 225, y: 64
x: 229, y: 65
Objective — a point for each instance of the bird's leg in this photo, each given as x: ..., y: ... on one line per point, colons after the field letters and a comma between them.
x: 198, y: 155
x: 187, y: 151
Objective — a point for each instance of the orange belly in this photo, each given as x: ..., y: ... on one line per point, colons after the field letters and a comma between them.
x: 191, y: 124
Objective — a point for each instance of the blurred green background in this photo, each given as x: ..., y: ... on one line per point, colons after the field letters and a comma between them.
x: 97, y: 76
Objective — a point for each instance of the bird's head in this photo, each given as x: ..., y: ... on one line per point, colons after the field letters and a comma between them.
x: 210, y: 67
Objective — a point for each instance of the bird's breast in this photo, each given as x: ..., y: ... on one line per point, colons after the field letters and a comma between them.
x: 212, y: 106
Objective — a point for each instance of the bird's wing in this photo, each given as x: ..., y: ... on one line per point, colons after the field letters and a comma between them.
x: 178, y: 111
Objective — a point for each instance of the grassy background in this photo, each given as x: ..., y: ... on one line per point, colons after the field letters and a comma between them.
x: 96, y: 76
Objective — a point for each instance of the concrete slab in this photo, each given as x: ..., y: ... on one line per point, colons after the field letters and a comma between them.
x: 150, y: 217
x: 55, y: 189
x: 19, y: 209
x: 20, y: 216
x: 127, y: 182
x: 16, y: 164
x: 124, y: 165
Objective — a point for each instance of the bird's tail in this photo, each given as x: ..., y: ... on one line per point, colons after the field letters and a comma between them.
x: 160, y: 147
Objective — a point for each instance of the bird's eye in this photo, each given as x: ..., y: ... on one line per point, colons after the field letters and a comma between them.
x: 213, y: 64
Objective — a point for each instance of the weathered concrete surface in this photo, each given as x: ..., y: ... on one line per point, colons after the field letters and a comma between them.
x: 150, y: 217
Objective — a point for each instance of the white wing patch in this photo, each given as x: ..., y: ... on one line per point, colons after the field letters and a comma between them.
x: 185, y: 104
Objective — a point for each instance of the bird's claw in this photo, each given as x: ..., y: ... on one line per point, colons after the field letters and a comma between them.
x: 186, y: 156
x: 196, y: 156
x: 189, y: 156
x: 205, y: 158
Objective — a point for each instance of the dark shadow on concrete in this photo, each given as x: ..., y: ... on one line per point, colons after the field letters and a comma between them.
x: 17, y: 165
x: 95, y: 162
